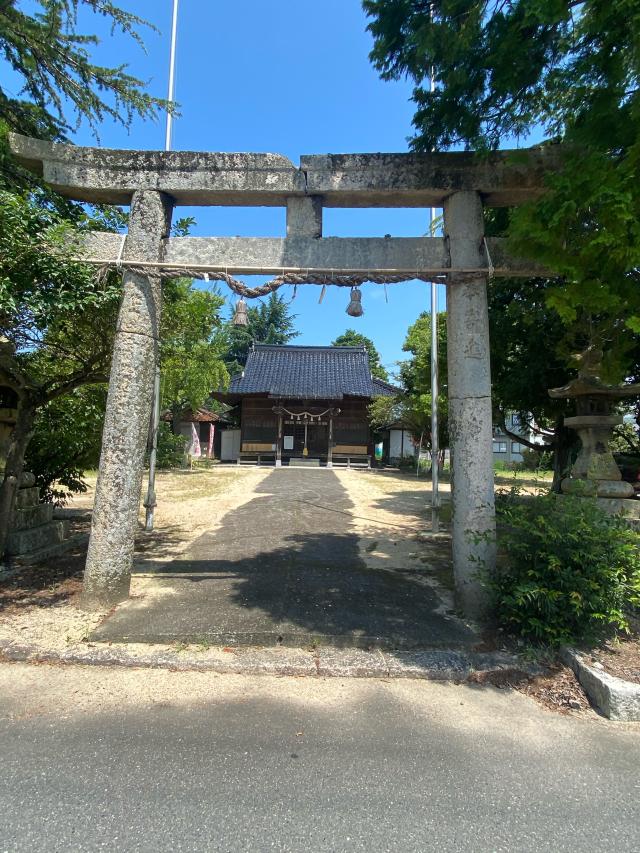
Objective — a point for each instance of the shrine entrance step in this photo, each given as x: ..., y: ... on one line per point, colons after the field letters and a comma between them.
x: 303, y: 462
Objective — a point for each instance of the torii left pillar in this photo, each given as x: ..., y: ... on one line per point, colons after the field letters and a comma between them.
x: 126, y: 428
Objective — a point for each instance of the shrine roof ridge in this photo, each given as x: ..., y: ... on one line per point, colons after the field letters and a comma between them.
x: 306, y: 372
x: 311, y: 347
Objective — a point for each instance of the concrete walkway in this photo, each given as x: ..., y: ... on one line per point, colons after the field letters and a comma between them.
x: 287, y: 567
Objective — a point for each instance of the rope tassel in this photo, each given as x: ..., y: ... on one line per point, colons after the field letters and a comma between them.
x: 240, y: 314
x: 354, y: 308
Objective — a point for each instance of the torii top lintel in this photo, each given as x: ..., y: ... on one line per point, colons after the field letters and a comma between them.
x: 104, y: 175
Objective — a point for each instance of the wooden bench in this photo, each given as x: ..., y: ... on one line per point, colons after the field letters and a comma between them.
x: 351, y: 456
x: 253, y: 452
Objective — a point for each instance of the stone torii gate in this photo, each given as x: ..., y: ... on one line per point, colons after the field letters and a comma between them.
x: 153, y: 182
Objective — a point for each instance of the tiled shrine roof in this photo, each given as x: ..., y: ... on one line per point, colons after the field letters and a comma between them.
x: 326, y: 373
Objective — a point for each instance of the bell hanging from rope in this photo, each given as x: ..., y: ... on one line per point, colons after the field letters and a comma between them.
x: 354, y: 308
x: 240, y: 313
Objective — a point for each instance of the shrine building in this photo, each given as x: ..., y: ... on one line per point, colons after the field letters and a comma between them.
x: 301, y: 405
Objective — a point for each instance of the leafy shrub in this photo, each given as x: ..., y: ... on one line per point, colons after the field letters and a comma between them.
x: 568, y: 570
x: 500, y: 466
x: 66, y: 442
x: 536, y: 460
x: 171, y: 448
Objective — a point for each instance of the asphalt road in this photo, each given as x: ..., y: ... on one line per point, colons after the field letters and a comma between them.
x: 136, y: 761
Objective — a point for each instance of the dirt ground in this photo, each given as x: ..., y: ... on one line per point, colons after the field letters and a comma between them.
x: 391, y: 513
x: 39, y: 604
x: 621, y: 657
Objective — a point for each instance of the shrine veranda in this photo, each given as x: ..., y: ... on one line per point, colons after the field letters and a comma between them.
x: 154, y: 182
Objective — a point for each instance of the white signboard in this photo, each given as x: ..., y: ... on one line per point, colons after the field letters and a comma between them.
x: 288, y: 442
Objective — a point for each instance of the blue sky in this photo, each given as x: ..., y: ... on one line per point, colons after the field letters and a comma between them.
x: 293, y: 77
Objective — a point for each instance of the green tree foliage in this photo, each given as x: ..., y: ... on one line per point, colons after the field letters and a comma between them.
x: 171, y: 447
x: 626, y: 439
x: 192, y: 345
x: 67, y: 430
x: 530, y: 349
x: 42, y: 289
x: 57, y: 322
x: 412, y: 406
x: 384, y: 411
x: 54, y: 64
x: 66, y: 442
x: 56, y: 318
x: 270, y: 322
x: 571, y: 69
x: 504, y: 67
x: 569, y: 571
x: 351, y: 338
x: 415, y: 374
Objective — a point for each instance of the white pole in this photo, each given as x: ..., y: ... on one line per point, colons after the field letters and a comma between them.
x: 435, y: 444
x: 150, y: 500
x: 172, y: 69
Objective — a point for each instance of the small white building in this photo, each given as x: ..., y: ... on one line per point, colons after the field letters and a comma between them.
x: 508, y: 449
x: 401, y: 443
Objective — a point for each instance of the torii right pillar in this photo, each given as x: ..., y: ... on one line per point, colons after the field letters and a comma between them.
x: 470, y: 412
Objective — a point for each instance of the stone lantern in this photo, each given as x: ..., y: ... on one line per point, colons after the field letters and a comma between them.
x: 33, y: 531
x: 595, y: 471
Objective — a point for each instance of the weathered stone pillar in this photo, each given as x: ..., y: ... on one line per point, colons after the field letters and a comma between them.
x: 126, y: 427
x: 470, y: 414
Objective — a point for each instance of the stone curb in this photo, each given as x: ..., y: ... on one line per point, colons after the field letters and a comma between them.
x: 616, y: 698
x: 18, y: 561
x: 436, y: 665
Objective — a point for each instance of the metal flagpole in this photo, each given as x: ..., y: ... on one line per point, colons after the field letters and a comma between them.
x: 172, y: 69
x: 435, y: 444
x: 435, y: 448
x: 150, y: 501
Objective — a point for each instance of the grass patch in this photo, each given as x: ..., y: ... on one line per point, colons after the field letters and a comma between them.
x: 190, y: 485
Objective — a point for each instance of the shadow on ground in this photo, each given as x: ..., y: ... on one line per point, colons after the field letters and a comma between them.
x: 37, y: 586
x: 286, y: 568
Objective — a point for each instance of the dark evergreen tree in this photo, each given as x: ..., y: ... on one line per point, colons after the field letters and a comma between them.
x: 58, y: 76
x: 270, y: 322
x: 571, y: 70
x: 351, y: 338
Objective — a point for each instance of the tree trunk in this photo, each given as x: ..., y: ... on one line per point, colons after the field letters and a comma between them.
x: 20, y: 438
x: 564, y: 442
x: 176, y: 411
